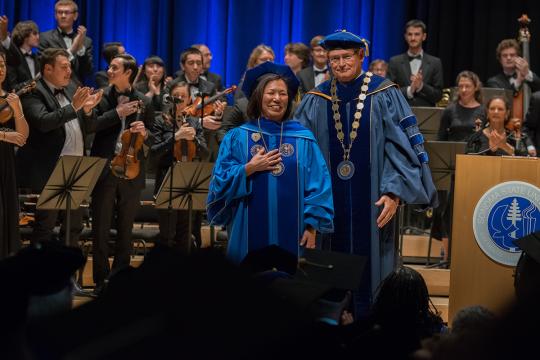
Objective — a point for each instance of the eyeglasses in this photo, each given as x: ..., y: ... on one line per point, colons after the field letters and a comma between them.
x: 65, y: 12
x: 348, y: 58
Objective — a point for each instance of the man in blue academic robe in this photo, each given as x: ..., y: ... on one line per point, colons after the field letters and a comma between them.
x: 374, y: 151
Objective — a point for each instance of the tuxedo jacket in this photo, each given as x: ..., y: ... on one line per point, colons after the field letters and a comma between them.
x: 104, y: 144
x: 307, y: 79
x: 81, y: 66
x: 399, y: 71
x: 46, y: 118
x: 209, y: 76
x: 101, y: 79
x: 503, y: 82
x: 18, y: 70
x: 204, y: 86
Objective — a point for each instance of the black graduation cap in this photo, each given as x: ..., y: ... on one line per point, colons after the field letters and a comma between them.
x: 42, y: 269
x: 340, y: 270
x: 269, y: 258
x: 530, y: 245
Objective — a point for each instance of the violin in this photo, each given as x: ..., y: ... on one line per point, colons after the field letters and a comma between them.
x: 6, y: 112
x: 125, y: 164
x: 184, y: 150
x: 196, y: 109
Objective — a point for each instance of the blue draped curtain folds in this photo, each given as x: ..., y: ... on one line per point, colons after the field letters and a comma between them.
x: 231, y: 28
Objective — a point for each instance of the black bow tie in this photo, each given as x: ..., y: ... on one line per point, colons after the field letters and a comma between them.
x: 59, y: 91
x: 70, y: 35
x: 28, y: 54
x: 411, y: 58
x: 513, y: 76
x: 318, y: 72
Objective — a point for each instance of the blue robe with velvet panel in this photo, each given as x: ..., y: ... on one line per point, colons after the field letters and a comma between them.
x: 389, y: 158
x: 263, y: 209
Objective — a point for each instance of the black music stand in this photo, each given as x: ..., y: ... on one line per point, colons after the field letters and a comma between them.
x: 71, y: 182
x: 442, y: 162
x: 428, y: 120
x: 189, y: 189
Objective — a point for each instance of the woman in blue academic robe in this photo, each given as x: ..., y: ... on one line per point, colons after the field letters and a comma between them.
x: 270, y: 184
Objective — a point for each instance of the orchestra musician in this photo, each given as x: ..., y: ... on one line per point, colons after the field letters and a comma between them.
x: 13, y: 132
x: 60, y: 116
x: 173, y: 227
x: 74, y: 41
x: 119, y: 107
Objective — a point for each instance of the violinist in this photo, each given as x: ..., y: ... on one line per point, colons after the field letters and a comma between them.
x: 191, y: 61
x: 119, y: 107
x: 60, y: 115
x: 188, y: 129
x: 13, y: 132
x: 22, y: 63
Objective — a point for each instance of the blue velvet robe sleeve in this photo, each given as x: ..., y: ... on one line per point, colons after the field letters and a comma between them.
x: 318, y: 202
x: 229, y: 182
x: 405, y: 170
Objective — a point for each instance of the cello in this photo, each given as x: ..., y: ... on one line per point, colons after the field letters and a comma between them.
x: 521, y: 99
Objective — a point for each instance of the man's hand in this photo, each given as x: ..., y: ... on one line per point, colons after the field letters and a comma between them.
x: 390, y: 203
x: 138, y: 127
x: 93, y: 101
x: 219, y: 108
x: 522, y: 68
x: 263, y: 162
x: 308, y: 238
x: 211, y: 122
x: 128, y: 108
x: 82, y: 94
x: 417, y: 82
x: 78, y: 41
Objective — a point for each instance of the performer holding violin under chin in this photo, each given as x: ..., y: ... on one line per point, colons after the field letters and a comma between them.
x: 129, y: 116
x: 185, y: 145
x: 13, y: 132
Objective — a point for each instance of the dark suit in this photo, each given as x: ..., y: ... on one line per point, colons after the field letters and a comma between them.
x: 81, y: 66
x: 233, y: 116
x: 209, y: 76
x: 503, y: 82
x: 101, y: 79
x: 111, y: 191
x: 307, y: 79
x: 531, y: 126
x: 18, y: 69
x: 37, y: 159
x: 399, y: 71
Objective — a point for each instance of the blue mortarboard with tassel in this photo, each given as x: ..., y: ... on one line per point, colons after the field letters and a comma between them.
x: 342, y: 39
x: 253, y: 75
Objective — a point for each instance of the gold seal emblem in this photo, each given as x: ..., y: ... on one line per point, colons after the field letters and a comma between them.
x: 256, y: 136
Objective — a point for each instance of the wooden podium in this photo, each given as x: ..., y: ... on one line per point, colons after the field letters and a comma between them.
x: 476, y: 279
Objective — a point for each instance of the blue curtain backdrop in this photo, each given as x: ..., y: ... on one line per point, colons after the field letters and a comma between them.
x: 231, y: 28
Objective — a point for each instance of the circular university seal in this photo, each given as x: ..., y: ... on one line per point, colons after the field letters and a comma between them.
x: 506, y: 212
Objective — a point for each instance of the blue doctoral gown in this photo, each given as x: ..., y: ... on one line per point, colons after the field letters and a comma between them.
x: 264, y: 209
x: 389, y: 158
